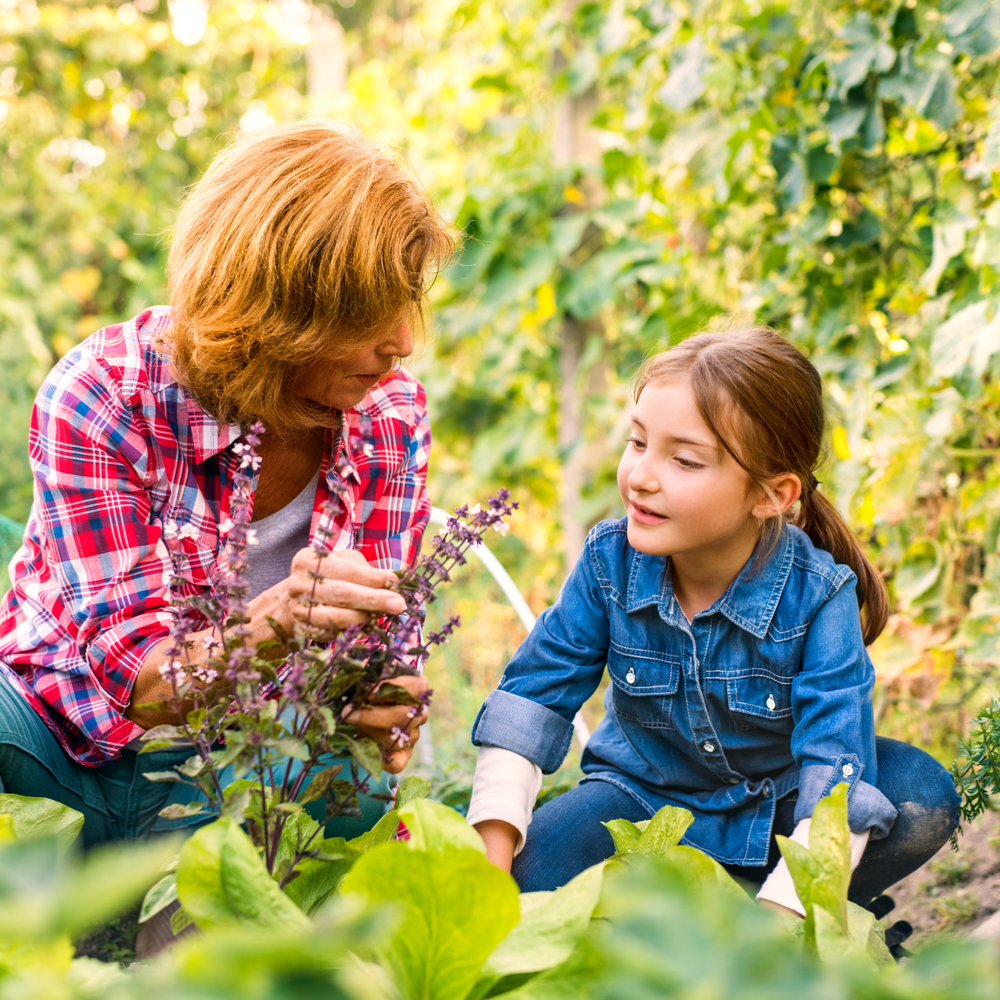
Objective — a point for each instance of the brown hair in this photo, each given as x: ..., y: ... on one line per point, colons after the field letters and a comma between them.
x: 301, y: 241
x: 763, y: 400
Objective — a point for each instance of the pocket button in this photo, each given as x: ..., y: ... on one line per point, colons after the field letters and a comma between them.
x: 630, y: 676
x: 770, y: 703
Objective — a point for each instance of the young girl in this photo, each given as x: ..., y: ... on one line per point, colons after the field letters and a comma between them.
x: 732, y: 607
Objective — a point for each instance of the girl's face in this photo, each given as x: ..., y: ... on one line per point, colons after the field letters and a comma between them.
x: 342, y: 383
x: 682, y: 492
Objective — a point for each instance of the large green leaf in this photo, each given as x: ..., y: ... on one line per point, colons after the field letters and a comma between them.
x: 456, y: 908
x: 434, y: 827
x: 550, y: 927
x: 221, y: 880
x: 35, y: 817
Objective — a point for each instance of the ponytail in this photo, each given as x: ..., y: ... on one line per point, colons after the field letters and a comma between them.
x: 819, y: 519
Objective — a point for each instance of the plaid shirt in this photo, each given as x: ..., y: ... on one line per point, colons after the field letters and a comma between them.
x: 119, y: 449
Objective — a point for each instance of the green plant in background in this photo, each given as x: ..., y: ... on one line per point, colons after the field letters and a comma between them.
x: 977, y: 766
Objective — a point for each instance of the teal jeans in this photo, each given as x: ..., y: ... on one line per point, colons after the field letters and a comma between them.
x: 117, y: 801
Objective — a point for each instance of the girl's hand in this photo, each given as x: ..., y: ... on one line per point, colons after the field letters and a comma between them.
x: 348, y: 592
x: 396, y: 728
x: 500, y: 839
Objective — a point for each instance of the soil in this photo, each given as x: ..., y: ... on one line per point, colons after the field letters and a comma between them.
x: 113, y: 942
x: 954, y: 892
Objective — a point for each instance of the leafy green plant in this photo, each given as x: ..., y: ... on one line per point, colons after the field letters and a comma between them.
x: 821, y: 872
x: 977, y: 765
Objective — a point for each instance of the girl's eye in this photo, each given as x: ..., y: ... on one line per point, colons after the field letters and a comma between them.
x: 635, y: 442
x: 686, y: 463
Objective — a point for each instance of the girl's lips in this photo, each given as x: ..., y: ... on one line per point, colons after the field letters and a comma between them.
x: 645, y: 516
x: 370, y: 379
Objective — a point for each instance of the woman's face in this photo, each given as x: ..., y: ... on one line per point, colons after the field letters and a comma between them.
x: 345, y: 382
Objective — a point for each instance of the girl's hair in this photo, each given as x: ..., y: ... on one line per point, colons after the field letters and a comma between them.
x: 763, y: 400
x: 304, y: 241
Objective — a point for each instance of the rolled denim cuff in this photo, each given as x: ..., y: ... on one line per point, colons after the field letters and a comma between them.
x: 524, y: 727
x: 867, y: 807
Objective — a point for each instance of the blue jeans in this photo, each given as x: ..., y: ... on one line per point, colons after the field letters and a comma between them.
x: 117, y: 802
x: 566, y: 836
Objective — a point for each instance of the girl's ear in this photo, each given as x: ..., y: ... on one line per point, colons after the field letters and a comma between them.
x: 780, y: 493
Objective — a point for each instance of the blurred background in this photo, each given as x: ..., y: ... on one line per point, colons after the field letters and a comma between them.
x: 623, y: 171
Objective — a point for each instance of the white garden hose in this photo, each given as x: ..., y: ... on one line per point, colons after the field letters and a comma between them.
x: 517, y: 601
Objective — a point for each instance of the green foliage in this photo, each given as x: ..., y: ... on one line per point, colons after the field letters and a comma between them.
x: 977, y: 766
x: 24, y: 818
x: 456, y: 907
x: 221, y: 879
x: 821, y: 872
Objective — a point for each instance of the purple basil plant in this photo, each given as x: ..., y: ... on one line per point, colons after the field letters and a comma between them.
x: 265, y: 722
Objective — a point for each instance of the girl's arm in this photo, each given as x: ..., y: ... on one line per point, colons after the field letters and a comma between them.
x: 524, y: 728
x: 834, y: 736
x: 554, y: 671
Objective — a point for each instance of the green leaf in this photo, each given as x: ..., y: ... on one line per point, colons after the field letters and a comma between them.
x: 381, y: 833
x: 438, y: 829
x: 367, y: 753
x: 319, y: 879
x: 221, y: 880
x: 457, y: 908
x: 412, y: 788
x: 319, y: 783
x: 664, y: 831
x: 38, y: 817
x: 193, y: 766
x: 160, y: 896
x: 162, y: 776
x: 624, y: 833
x: 822, y: 872
x: 551, y: 926
x: 703, y: 873
x: 969, y: 338
x: 182, y: 811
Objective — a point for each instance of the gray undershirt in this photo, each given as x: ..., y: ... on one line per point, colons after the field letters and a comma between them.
x: 279, y: 537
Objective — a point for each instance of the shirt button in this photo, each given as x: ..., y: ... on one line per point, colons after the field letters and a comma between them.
x: 734, y: 781
x: 848, y: 770
x: 709, y: 748
x: 770, y: 702
x: 630, y: 676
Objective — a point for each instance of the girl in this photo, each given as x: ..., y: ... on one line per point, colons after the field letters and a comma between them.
x: 733, y: 625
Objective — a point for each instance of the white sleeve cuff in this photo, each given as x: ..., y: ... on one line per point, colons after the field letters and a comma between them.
x: 779, y: 888
x: 505, y: 787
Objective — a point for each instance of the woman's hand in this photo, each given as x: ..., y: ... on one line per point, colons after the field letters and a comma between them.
x: 396, y: 728
x: 348, y: 592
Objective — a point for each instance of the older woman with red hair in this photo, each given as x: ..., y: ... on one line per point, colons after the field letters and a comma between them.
x: 296, y: 286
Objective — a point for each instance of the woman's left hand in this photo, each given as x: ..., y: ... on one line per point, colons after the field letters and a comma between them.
x: 396, y: 728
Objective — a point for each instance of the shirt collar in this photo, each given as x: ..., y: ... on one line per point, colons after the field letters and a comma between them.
x: 207, y: 435
x: 750, y: 601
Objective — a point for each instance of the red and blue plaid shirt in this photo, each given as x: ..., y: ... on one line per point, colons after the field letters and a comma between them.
x: 119, y: 449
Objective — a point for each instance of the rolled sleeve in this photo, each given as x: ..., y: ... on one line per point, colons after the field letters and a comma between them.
x: 524, y: 727
x: 867, y: 808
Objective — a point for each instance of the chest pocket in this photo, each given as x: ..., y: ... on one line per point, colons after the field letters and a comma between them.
x: 644, y: 685
x: 760, y: 701
x: 192, y: 558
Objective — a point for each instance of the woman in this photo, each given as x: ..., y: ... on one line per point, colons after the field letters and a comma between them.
x: 296, y: 279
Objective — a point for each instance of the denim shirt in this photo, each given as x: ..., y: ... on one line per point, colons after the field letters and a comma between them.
x: 766, y: 692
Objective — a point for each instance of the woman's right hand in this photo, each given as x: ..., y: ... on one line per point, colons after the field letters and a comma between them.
x: 348, y: 592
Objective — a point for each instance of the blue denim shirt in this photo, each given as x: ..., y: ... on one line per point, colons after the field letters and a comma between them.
x: 767, y: 691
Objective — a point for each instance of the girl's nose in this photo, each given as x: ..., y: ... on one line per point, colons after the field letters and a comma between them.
x: 641, y: 479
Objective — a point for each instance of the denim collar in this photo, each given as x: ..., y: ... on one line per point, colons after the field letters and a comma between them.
x: 749, y: 602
